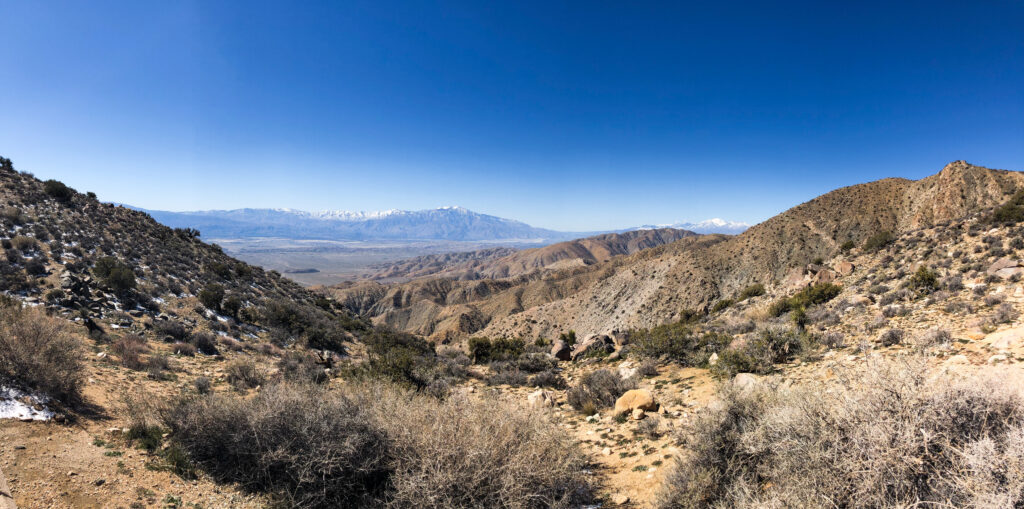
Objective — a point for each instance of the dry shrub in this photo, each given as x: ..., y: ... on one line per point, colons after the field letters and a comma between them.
x: 39, y: 354
x: 129, y: 349
x: 598, y: 389
x: 378, y: 445
x: 488, y: 452
x: 245, y: 374
x: 886, y: 437
x: 305, y: 445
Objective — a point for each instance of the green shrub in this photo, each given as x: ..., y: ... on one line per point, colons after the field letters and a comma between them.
x: 721, y: 305
x: 810, y: 296
x: 924, y: 280
x: 847, y: 246
x: 485, y: 350
x: 1010, y: 212
x: 754, y: 290
x: 758, y: 355
x: 878, y: 241
x: 568, y: 337
x: 678, y: 343
x: 211, y: 296
x: 58, y: 190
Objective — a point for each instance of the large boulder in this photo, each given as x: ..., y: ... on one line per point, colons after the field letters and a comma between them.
x: 561, y: 351
x: 843, y: 267
x: 636, y: 399
x: 594, y: 344
x: 1005, y: 268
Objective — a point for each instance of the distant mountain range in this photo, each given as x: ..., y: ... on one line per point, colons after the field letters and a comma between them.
x: 445, y: 223
x: 714, y: 225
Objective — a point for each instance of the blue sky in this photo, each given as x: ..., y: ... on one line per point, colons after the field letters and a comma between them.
x: 575, y: 116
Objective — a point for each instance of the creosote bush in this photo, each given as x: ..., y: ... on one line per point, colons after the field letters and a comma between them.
x: 598, y: 389
x: 39, y: 354
x: 677, y: 342
x: 889, y: 436
x: 810, y: 296
x: 878, y: 241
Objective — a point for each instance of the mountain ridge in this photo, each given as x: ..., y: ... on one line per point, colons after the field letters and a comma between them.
x: 443, y: 223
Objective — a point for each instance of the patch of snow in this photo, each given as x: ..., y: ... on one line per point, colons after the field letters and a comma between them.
x: 12, y: 405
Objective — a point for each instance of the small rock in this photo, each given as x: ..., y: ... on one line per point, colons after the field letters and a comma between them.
x: 641, y: 399
x: 620, y: 499
x: 638, y: 414
x: 607, y: 451
x: 99, y: 482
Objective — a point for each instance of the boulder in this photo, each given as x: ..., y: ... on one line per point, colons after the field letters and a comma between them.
x: 561, y: 351
x: 713, y: 359
x: 636, y: 399
x: 1005, y: 339
x: 540, y: 399
x: 844, y: 267
x: 745, y: 381
x: 825, y: 276
x: 1002, y: 264
x: 593, y: 344
x: 620, y: 339
x: 626, y: 370
x: 638, y: 414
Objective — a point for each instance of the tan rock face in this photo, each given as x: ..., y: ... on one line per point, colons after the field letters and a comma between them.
x: 844, y: 267
x: 636, y: 399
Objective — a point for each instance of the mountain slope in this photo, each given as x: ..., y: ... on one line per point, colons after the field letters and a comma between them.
x: 120, y: 269
x: 654, y: 286
x: 504, y: 262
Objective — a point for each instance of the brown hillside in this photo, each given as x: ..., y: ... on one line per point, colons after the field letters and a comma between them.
x: 653, y: 286
x: 499, y: 263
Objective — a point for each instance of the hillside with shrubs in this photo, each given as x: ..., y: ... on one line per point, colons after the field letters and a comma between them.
x: 869, y: 362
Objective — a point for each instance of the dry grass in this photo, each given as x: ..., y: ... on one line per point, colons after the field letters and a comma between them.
x: 38, y: 353
x: 889, y: 437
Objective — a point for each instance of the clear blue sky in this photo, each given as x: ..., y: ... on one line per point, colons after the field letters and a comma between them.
x: 576, y: 116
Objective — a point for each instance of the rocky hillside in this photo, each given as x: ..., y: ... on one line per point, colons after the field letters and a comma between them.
x: 655, y: 286
x: 111, y: 267
x: 498, y: 263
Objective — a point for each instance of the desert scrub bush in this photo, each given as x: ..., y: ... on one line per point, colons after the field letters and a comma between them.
x: 211, y: 296
x: 1010, y: 212
x: 175, y: 331
x: 1006, y: 313
x: 888, y: 436
x: 677, y: 342
x: 468, y: 453
x: 810, y: 296
x: 760, y: 354
x: 933, y: 338
x: 598, y: 389
x: 39, y: 354
x: 302, y: 367
x: 847, y: 246
x: 129, y: 349
x: 303, y: 444
x: 244, y: 374
x: 878, y: 241
x: 484, y: 350
x: 891, y: 337
x: 405, y: 359
x: 924, y: 280
x: 58, y: 190
x: 754, y: 290
x: 549, y: 378
x: 833, y: 340
x: 204, y: 342
x: 722, y: 305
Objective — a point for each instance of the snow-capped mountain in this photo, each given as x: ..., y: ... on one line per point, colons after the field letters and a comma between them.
x: 445, y: 223
x: 713, y: 225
